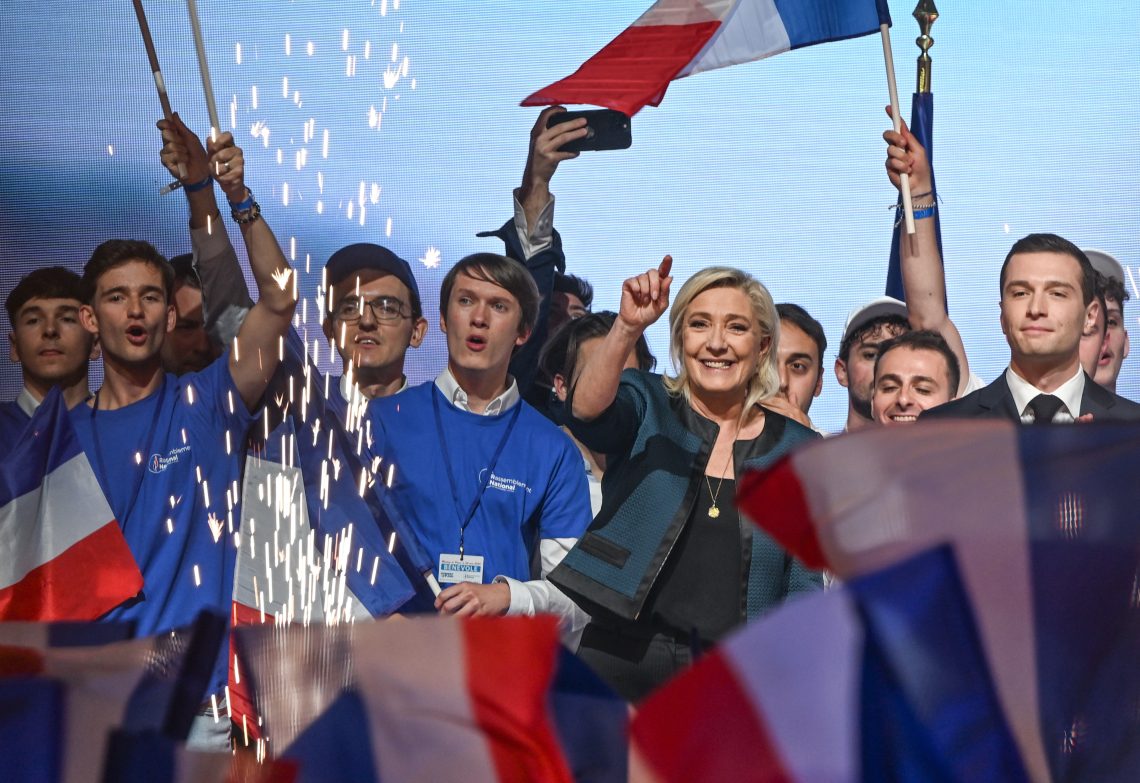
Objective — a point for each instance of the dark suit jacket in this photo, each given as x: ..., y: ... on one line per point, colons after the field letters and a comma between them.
x: 996, y: 401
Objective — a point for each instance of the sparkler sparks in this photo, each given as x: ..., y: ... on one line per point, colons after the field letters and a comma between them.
x: 216, y: 527
x: 281, y: 277
x: 432, y: 258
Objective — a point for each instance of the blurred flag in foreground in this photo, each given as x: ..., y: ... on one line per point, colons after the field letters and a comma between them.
x: 77, y: 695
x: 417, y: 699
x: 679, y: 38
x: 881, y: 679
x: 1042, y: 521
x: 64, y: 557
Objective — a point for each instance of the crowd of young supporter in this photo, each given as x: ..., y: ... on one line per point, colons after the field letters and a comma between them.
x: 548, y: 467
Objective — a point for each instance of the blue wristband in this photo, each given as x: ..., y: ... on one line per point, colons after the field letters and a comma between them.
x: 243, y: 206
x: 194, y: 187
x: 919, y: 214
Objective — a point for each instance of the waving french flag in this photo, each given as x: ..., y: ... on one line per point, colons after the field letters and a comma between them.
x: 676, y: 38
x: 1042, y: 523
x: 64, y: 555
x: 880, y: 679
x: 427, y: 698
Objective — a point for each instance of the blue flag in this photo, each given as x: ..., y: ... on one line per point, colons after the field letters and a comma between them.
x: 922, y: 126
x: 332, y: 469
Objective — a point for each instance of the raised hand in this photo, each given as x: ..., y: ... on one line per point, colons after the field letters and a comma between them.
x: 181, y: 146
x: 906, y: 156
x: 544, y: 156
x: 227, y: 166
x: 646, y: 297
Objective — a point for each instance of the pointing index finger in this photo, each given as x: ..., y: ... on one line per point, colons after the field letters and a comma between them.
x: 666, y: 266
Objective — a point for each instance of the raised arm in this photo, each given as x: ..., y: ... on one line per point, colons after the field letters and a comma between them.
x: 643, y: 300
x: 924, y: 278
x: 225, y: 296
x: 256, y: 355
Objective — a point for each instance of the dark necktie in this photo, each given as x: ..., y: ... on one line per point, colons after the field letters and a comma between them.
x: 1044, y: 407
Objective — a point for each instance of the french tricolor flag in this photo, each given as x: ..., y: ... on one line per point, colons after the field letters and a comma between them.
x: 1044, y: 527
x: 65, y: 691
x: 881, y: 679
x: 64, y: 557
x: 677, y: 38
x: 425, y: 698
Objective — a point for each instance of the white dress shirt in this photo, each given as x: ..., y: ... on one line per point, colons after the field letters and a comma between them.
x: 538, y: 237
x: 451, y: 390
x: 1070, y: 393
x: 28, y: 402
x: 347, y: 388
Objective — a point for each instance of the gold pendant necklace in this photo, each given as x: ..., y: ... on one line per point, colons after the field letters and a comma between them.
x: 714, y: 510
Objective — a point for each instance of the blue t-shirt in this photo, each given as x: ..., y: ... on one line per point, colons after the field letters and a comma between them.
x: 537, y: 489
x: 12, y: 423
x: 171, y: 502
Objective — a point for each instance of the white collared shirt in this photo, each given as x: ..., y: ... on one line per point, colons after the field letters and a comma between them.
x: 450, y: 388
x: 1070, y: 393
x: 28, y: 401
x: 347, y: 388
x: 536, y: 238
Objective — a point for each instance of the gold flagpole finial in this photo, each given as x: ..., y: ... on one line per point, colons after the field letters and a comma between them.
x: 926, y: 13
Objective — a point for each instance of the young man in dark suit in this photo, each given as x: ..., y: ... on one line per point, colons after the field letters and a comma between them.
x: 1046, y: 303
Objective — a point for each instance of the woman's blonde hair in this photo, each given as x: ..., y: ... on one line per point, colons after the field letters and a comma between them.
x: 766, y: 381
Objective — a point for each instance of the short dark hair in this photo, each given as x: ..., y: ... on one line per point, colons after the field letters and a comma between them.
x: 1116, y: 291
x: 560, y: 354
x: 794, y: 314
x: 1051, y: 243
x: 51, y: 282
x: 503, y: 272
x: 925, y: 340
x: 875, y: 324
x: 114, y: 253
x: 1100, y: 292
x: 185, y: 272
x: 575, y: 286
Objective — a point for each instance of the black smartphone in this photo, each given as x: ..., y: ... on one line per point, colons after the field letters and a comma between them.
x: 606, y: 130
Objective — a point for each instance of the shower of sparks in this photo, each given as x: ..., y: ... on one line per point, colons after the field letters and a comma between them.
x: 282, y: 276
x: 432, y: 258
x: 216, y: 527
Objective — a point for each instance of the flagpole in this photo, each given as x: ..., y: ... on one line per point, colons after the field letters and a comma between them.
x: 156, y: 71
x: 204, y: 68
x: 896, y: 117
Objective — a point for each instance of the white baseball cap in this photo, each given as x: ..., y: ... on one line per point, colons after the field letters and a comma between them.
x: 876, y: 308
x: 1105, y: 264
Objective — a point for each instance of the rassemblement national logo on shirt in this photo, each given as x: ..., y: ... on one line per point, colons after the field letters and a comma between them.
x: 159, y: 463
x: 503, y: 484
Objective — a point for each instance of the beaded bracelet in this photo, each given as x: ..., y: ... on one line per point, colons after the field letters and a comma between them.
x: 245, y: 211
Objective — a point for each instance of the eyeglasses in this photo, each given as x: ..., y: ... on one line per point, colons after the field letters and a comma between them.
x: 384, y: 308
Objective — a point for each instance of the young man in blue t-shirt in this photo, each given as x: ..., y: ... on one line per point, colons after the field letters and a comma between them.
x: 50, y: 345
x: 494, y: 491
x: 167, y: 450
